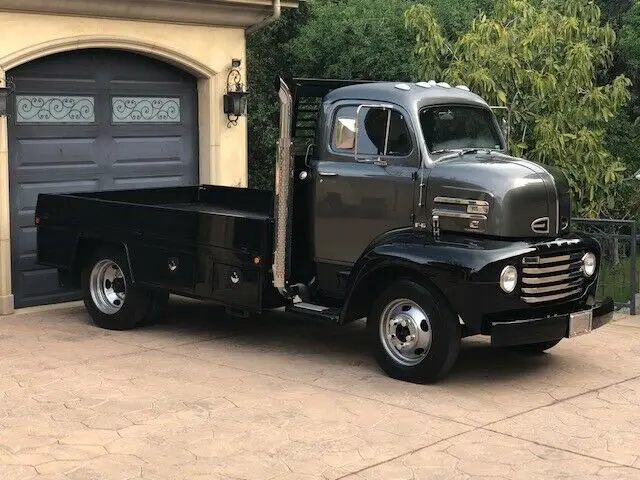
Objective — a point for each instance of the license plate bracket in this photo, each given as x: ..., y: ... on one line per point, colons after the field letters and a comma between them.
x: 580, y: 323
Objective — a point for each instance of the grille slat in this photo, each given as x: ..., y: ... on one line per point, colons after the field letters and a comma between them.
x: 552, y: 288
x: 550, y: 298
x: 552, y: 269
x: 546, y: 279
x: 546, y: 260
x: 551, y: 279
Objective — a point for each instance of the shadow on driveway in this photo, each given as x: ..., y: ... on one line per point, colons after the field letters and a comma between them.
x: 274, y: 332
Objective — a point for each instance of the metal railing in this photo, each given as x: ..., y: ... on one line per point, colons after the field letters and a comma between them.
x: 618, y: 269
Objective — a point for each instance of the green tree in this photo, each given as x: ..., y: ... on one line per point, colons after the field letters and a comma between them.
x: 540, y: 58
x: 355, y: 39
x: 322, y: 39
x: 267, y: 57
x: 629, y: 45
x: 623, y: 135
x: 456, y: 16
x: 614, y: 10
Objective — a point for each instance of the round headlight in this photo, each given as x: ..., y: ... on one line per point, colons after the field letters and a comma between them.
x: 509, y: 278
x: 589, y: 264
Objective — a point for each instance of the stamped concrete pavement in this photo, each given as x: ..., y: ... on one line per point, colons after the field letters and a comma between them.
x: 205, y: 396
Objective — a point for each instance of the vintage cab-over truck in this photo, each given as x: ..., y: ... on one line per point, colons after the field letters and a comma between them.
x: 393, y: 202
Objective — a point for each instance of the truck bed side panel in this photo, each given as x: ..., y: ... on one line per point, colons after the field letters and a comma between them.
x: 220, y: 252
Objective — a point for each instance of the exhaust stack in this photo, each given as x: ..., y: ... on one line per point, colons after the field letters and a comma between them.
x: 283, y: 184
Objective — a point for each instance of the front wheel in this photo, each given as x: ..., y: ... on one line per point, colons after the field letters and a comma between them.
x: 413, y: 333
x: 108, y: 293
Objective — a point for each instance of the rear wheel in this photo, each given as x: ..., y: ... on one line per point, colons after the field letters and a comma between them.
x: 108, y: 293
x: 413, y: 333
x: 534, y: 348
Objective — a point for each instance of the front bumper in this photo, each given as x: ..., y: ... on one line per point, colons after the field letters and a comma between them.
x: 552, y: 327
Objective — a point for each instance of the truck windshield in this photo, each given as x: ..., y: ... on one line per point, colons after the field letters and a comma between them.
x: 449, y: 128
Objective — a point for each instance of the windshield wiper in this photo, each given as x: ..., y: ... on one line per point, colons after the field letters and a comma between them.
x: 462, y: 151
x: 447, y: 150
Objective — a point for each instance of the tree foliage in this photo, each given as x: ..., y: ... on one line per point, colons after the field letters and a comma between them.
x: 323, y: 39
x: 629, y: 45
x: 456, y: 16
x: 540, y: 58
x: 267, y: 57
x: 355, y: 39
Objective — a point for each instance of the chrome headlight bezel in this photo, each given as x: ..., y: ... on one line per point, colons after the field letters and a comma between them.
x: 589, y: 264
x: 509, y: 279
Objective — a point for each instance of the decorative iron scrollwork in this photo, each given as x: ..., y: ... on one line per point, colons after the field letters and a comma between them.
x: 54, y: 109
x: 145, y: 109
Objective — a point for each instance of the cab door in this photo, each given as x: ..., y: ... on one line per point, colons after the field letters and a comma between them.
x: 364, y: 186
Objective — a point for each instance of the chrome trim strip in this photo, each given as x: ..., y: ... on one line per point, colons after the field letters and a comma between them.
x: 555, y: 278
x: 460, y: 201
x: 557, y: 268
x: 552, y: 288
x: 555, y: 187
x: 550, y: 298
x: 445, y: 213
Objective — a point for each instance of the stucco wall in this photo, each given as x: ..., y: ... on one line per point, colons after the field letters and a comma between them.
x: 204, y: 51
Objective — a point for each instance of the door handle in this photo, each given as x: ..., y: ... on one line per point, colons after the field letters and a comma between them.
x: 328, y: 174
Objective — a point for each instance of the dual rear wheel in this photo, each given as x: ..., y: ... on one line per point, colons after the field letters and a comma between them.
x: 110, y: 297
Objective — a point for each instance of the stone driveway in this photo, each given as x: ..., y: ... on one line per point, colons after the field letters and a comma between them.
x: 202, y: 396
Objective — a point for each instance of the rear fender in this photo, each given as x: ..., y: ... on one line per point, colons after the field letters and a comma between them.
x: 85, y: 246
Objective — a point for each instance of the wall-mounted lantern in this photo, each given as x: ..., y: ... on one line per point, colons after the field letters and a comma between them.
x: 4, y: 95
x: 235, y: 100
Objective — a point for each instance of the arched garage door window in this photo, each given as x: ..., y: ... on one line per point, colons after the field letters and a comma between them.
x: 92, y: 120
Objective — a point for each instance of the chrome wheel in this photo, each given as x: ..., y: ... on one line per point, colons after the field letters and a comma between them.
x: 107, y: 286
x: 405, y: 332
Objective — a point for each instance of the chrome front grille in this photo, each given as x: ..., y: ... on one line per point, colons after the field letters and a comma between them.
x: 545, y: 279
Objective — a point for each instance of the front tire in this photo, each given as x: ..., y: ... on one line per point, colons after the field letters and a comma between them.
x: 108, y: 292
x: 414, y: 334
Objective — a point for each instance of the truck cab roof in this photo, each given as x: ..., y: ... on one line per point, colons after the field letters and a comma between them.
x: 421, y: 94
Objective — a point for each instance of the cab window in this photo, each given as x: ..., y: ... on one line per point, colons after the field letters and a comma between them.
x: 381, y: 132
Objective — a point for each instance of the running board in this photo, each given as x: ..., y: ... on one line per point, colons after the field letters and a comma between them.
x: 316, y: 311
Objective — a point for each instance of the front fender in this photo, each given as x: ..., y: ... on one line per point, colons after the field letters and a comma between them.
x: 464, y: 269
x: 444, y: 264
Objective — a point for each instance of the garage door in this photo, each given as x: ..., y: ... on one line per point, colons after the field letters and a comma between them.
x: 92, y: 120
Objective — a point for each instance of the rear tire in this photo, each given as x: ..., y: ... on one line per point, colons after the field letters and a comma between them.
x: 108, y: 292
x: 414, y: 334
x: 535, y: 348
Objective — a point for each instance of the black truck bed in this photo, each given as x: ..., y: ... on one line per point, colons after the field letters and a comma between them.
x: 214, y: 233
x: 204, y: 199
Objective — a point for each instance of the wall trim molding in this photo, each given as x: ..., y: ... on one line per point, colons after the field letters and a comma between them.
x: 174, y: 57
x: 222, y: 13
